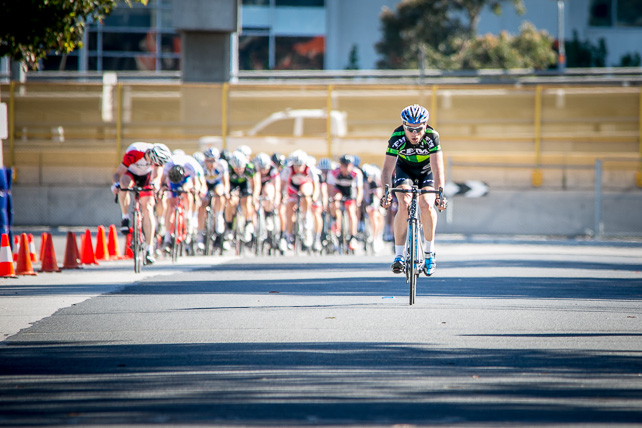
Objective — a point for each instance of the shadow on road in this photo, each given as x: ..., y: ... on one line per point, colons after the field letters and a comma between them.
x: 284, y: 383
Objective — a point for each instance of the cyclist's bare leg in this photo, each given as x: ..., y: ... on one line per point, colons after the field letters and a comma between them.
x: 335, y: 212
x: 400, y: 223
x: 307, y: 189
x: 428, y: 214
x: 169, y: 217
x: 268, y: 191
x: 352, y: 218
x: 289, y: 217
x: 246, y: 207
x: 149, y: 219
x: 123, y: 197
x: 230, y: 209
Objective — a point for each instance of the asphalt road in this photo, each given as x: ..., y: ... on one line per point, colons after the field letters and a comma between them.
x: 505, y: 333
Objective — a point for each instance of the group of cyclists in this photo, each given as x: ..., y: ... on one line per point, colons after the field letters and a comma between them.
x: 237, y: 186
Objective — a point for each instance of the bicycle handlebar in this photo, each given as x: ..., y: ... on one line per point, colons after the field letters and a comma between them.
x: 414, y: 190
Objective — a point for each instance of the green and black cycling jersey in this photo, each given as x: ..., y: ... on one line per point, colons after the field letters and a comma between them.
x: 413, y: 157
x: 239, y: 179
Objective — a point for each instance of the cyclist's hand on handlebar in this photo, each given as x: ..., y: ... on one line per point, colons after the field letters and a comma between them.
x: 386, y: 199
x: 441, y: 202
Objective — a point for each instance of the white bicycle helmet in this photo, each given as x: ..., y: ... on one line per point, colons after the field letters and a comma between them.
x: 298, y: 158
x: 200, y: 157
x: 246, y: 150
x: 238, y: 159
x: 262, y: 161
x: 414, y: 115
x: 212, y: 153
x: 159, y: 154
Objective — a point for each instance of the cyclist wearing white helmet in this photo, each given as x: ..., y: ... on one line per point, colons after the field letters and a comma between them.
x: 372, y: 193
x: 246, y: 150
x: 217, y: 179
x: 414, y: 155
x: 245, y: 188
x: 141, y: 167
x: 298, y: 177
x: 346, y: 183
x: 270, y: 183
x: 192, y: 181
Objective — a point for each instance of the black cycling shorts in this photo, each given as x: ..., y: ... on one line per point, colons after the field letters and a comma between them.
x: 244, y: 188
x: 420, y: 178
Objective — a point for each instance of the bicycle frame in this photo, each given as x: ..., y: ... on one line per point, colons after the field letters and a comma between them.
x: 414, y: 239
x: 178, y: 230
x: 136, y: 230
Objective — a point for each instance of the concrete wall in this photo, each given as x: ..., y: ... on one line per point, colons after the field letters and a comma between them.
x: 536, y: 212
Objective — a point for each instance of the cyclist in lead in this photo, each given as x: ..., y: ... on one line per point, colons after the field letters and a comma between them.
x: 142, y: 167
x: 414, y: 156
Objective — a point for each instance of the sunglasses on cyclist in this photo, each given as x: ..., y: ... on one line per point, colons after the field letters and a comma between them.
x: 412, y: 129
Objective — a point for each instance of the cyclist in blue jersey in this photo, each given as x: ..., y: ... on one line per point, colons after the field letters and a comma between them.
x: 414, y: 156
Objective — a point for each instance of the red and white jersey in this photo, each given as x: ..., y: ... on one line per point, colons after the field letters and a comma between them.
x: 296, y: 179
x: 134, y: 158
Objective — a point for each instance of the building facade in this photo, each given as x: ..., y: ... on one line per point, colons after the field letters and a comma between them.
x: 329, y: 34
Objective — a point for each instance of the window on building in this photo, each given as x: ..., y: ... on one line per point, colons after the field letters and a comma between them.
x: 299, y: 53
x: 300, y: 3
x: 254, y: 52
x: 131, y: 38
x: 616, y: 13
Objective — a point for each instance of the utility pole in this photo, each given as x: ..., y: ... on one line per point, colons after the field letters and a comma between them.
x: 561, y: 55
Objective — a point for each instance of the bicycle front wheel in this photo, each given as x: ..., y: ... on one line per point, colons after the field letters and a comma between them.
x: 411, y: 261
x: 137, y: 244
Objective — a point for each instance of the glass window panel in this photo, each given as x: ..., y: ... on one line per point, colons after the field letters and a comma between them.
x: 256, y: 2
x: 302, y: 3
x: 92, y: 41
x: 129, y: 17
x: 629, y: 13
x: 60, y: 62
x: 119, y: 64
x: 254, y: 52
x: 600, y: 13
x: 299, y: 53
x: 129, y: 42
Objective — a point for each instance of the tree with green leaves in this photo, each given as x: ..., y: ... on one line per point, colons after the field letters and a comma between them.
x: 31, y: 29
x: 445, y: 31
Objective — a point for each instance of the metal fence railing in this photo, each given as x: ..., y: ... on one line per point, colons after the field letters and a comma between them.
x: 83, y: 127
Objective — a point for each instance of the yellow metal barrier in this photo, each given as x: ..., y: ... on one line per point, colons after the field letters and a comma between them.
x: 537, y: 125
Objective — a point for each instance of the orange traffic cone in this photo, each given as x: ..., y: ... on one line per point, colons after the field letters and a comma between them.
x: 24, y: 266
x: 6, y: 258
x: 16, y: 241
x: 87, y: 256
x: 129, y: 253
x: 71, y: 253
x: 49, y: 263
x: 32, y: 248
x: 43, y: 242
x: 101, y: 245
x: 112, y: 244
